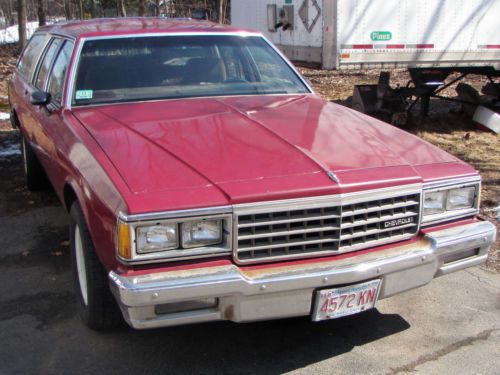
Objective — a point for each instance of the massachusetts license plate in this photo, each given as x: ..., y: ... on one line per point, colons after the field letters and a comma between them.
x: 348, y: 300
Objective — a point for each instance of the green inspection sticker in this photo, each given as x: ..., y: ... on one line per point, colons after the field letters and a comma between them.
x: 84, y: 94
x: 381, y: 35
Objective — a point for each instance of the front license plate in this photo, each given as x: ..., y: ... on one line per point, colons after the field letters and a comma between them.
x: 347, y: 300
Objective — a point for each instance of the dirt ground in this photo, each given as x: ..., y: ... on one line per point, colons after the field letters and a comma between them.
x: 446, y: 127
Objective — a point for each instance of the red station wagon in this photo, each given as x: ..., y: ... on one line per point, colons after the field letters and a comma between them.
x: 206, y: 181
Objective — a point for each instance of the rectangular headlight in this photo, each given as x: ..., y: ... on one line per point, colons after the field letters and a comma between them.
x: 460, y: 198
x: 201, y: 233
x: 449, y: 200
x: 157, y: 238
x: 434, y: 202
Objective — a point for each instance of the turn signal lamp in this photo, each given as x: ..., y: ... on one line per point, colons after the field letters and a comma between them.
x: 124, y: 249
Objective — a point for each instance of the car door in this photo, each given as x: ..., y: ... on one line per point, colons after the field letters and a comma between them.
x: 22, y: 87
x: 42, y: 115
x: 50, y: 78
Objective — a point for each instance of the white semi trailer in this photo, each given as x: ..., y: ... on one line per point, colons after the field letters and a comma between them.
x: 432, y: 38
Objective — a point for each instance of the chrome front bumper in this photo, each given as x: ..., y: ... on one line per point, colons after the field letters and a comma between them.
x: 287, y: 291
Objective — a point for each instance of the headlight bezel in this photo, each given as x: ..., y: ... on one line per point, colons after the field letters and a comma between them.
x: 133, y: 222
x: 451, y: 214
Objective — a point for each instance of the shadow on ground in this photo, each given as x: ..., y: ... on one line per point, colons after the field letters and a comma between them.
x: 270, y: 347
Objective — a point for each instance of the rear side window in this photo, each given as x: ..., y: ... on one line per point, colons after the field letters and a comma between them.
x: 46, y: 62
x: 30, y: 56
x: 58, y: 75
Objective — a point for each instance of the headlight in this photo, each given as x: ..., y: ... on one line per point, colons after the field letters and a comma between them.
x: 450, y: 201
x: 142, y: 238
x: 201, y: 233
x: 434, y: 202
x: 460, y: 198
x: 157, y: 238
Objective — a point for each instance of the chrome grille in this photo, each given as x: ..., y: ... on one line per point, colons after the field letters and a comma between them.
x: 307, y: 228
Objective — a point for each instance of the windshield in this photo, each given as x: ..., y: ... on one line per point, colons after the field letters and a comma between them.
x: 163, y: 67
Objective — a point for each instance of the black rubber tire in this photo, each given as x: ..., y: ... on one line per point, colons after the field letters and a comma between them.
x: 36, y: 179
x: 101, y: 311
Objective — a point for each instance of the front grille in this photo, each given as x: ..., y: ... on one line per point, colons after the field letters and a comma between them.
x: 323, y: 228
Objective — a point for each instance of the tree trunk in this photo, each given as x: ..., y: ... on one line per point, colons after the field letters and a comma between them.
x: 157, y: 8
x: 80, y: 9
x: 40, y: 9
x: 67, y: 9
x: 122, y: 10
x: 221, y: 11
x: 142, y: 8
x: 93, y: 9
x: 21, y: 19
x: 173, y: 9
x: 9, y: 16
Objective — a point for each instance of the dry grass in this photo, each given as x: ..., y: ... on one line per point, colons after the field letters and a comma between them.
x: 7, y: 64
x: 446, y: 127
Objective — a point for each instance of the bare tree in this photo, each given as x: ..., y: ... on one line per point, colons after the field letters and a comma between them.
x: 42, y: 18
x: 217, y: 10
x: 222, y: 11
x: 157, y: 8
x: 80, y: 9
x: 7, y: 10
x: 93, y: 9
x: 122, y: 9
x: 21, y: 19
x: 142, y: 8
x: 67, y: 9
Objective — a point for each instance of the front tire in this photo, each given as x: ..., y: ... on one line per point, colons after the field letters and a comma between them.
x: 96, y: 305
x: 36, y: 179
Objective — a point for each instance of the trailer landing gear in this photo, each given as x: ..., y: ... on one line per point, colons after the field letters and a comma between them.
x: 394, y: 104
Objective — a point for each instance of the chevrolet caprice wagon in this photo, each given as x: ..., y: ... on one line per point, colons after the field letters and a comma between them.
x: 205, y: 180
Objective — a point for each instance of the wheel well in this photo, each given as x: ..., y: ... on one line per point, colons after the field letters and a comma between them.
x: 69, y: 196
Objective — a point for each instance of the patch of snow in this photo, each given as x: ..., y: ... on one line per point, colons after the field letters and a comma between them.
x: 4, y: 116
x: 11, y: 33
x: 10, y: 150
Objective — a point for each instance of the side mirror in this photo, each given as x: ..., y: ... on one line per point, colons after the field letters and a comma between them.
x: 40, y: 98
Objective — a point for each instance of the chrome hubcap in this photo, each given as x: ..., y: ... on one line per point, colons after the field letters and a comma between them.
x: 80, y: 265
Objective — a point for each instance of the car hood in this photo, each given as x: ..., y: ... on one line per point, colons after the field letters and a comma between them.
x: 284, y: 145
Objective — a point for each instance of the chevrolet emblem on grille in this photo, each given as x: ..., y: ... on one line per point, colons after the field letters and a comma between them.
x: 398, y: 222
